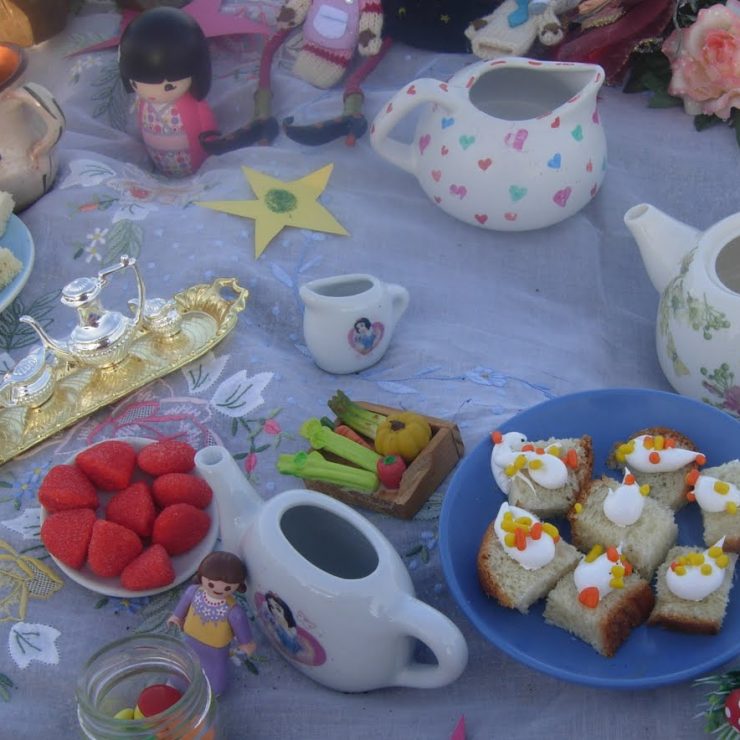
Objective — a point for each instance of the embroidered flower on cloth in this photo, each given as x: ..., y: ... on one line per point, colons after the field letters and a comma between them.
x: 705, y: 61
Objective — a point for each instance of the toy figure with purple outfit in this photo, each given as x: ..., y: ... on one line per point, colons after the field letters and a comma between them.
x: 164, y: 59
x: 210, y: 618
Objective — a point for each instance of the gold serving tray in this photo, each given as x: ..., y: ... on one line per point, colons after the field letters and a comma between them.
x: 207, y: 317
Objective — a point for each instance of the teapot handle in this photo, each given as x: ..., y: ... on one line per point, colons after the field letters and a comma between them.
x: 42, y: 101
x: 440, y: 635
x: 425, y: 90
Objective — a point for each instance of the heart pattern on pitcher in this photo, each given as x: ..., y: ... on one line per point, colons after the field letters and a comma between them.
x: 555, y: 161
x: 436, y: 175
x: 459, y: 190
x: 447, y: 121
x: 411, y: 90
x: 577, y: 133
x: 484, y: 164
x: 466, y: 141
x: 424, y: 142
x: 561, y: 197
x: 444, y: 151
x: 517, y: 192
x: 481, y: 218
x: 516, y: 140
x: 510, y: 216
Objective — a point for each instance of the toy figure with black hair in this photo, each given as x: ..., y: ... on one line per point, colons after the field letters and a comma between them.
x: 334, y: 31
x: 163, y: 57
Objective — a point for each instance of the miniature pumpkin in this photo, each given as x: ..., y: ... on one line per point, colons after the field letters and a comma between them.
x: 405, y: 434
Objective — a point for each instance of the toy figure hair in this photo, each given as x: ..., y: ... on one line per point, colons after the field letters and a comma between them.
x: 223, y: 566
x: 165, y: 44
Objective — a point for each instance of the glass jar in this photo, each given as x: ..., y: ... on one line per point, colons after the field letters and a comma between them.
x: 115, y: 676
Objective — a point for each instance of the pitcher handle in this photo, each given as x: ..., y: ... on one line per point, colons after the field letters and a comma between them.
x: 440, y: 635
x: 400, y: 299
x: 425, y: 90
x: 43, y: 102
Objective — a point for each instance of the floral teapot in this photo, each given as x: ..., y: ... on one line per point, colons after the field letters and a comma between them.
x: 32, y: 124
x: 698, y: 327
x: 511, y: 144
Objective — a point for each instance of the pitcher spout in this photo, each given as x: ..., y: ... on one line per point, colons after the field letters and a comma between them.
x: 237, y: 501
x: 663, y: 242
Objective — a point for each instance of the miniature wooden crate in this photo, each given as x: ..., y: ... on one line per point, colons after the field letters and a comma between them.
x: 420, y: 480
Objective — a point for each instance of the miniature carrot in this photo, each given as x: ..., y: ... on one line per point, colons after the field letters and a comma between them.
x: 589, y: 597
x: 350, y: 433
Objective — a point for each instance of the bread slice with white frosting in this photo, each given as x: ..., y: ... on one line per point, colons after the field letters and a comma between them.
x: 611, y: 513
x: 661, y: 458
x: 519, y: 575
x: 717, y: 493
x: 544, y: 477
x: 601, y: 601
x: 683, y: 611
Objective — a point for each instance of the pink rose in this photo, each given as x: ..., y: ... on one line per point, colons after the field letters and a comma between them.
x: 271, y: 426
x: 705, y: 61
x: 250, y: 463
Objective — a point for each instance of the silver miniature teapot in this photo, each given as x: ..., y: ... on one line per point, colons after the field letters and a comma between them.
x: 102, y: 338
x: 31, y: 382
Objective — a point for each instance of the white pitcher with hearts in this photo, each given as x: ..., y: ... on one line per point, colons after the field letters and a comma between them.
x: 510, y: 144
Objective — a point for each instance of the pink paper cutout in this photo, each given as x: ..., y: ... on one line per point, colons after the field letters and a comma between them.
x: 205, y: 12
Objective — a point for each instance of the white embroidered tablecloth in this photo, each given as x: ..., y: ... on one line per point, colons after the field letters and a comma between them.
x: 497, y: 322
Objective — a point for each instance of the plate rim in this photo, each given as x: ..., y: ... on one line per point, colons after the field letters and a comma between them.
x: 118, y: 591
x: 14, y: 287
x: 505, y: 646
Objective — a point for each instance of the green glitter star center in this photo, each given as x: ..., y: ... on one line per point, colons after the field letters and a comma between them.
x: 281, y: 201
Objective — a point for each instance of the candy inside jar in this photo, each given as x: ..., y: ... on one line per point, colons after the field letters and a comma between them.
x: 114, y: 680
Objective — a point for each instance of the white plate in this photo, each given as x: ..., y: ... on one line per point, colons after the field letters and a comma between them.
x: 17, y: 238
x: 185, y: 565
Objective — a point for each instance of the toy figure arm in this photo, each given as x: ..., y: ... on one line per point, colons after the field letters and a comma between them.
x: 240, y: 625
x: 293, y: 13
x: 371, y: 25
x: 178, y: 615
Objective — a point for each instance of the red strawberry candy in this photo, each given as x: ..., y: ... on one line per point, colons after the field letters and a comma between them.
x: 109, y: 465
x: 152, y: 569
x: 133, y: 508
x: 66, y: 535
x: 167, y: 456
x: 181, y: 488
x: 64, y: 487
x: 112, y: 548
x: 180, y: 527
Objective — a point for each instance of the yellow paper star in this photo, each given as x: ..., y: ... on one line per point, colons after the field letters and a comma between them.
x: 280, y: 204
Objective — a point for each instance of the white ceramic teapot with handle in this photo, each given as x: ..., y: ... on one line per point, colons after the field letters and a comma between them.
x: 510, y: 144
x: 328, y: 589
x: 698, y: 326
x: 32, y: 124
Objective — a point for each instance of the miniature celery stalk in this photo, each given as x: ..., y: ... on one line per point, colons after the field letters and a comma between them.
x: 361, y: 420
x: 323, y: 438
x: 313, y: 466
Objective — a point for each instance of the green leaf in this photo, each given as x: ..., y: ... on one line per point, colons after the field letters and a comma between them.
x: 261, y: 448
x: 125, y: 237
x: 100, y: 603
x: 240, y: 455
x: 703, y: 121
x: 664, y: 100
x: 250, y: 666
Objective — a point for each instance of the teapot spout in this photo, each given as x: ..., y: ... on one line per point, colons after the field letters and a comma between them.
x: 663, y: 242
x: 56, y: 348
x: 237, y: 501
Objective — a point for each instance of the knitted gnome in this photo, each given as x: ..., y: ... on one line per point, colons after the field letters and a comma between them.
x: 515, y: 25
x: 333, y: 30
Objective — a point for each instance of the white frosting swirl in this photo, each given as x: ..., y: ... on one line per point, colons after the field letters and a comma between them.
x: 691, y: 583
x: 537, y: 553
x: 709, y: 497
x: 623, y: 505
x: 551, y: 473
x: 597, y: 573
x: 669, y: 458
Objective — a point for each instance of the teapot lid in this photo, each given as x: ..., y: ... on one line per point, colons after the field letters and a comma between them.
x: 29, y: 368
x: 81, y: 291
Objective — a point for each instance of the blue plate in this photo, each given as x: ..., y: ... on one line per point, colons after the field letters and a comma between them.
x: 651, y: 656
x: 17, y: 238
